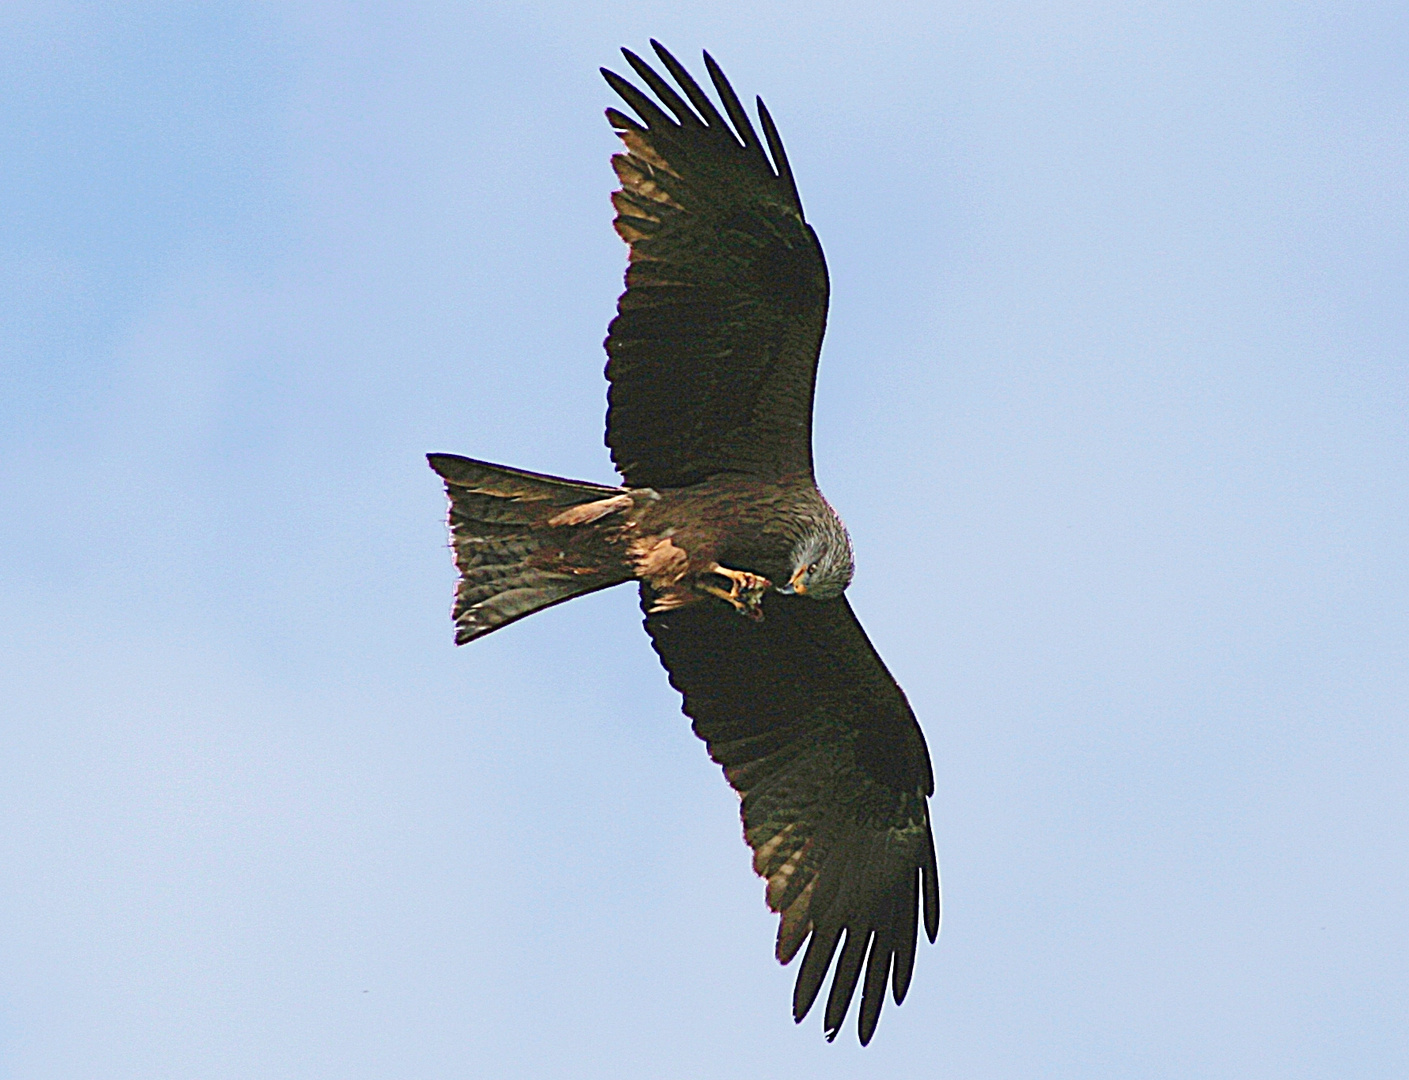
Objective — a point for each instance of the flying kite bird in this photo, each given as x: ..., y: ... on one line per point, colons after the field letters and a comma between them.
x: 742, y: 564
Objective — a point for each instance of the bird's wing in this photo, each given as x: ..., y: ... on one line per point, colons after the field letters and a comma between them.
x: 713, y: 352
x: 833, y: 772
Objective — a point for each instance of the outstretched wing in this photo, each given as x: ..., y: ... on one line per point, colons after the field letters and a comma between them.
x: 821, y: 745
x: 713, y: 352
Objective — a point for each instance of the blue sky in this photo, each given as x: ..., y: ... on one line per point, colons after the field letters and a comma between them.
x: 1113, y: 401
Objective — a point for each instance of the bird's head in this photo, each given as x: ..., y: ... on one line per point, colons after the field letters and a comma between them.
x: 822, y: 563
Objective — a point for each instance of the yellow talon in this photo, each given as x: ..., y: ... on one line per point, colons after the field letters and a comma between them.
x: 745, y: 592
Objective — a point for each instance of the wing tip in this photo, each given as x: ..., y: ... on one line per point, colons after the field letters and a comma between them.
x: 780, y: 156
x: 931, y: 892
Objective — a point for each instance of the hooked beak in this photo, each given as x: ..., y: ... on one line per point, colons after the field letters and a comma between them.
x: 795, y: 585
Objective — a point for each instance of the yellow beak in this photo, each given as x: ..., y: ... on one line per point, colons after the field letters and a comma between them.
x: 795, y: 582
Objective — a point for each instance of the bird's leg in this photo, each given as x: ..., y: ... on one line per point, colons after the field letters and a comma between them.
x: 745, y: 590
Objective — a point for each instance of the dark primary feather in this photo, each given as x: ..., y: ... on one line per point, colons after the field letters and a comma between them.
x: 820, y: 743
x: 713, y: 353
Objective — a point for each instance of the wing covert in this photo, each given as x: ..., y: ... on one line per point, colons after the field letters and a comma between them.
x: 833, y: 773
x: 713, y: 352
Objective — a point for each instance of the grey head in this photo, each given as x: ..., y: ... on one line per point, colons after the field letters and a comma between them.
x: 822, y: 562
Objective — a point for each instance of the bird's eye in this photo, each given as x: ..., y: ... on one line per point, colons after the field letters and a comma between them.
x: 812, y: 568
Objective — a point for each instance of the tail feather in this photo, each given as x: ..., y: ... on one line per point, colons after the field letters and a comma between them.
x: 524, y: 541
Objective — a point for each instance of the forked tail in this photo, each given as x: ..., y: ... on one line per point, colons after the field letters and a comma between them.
x: 524, y: 541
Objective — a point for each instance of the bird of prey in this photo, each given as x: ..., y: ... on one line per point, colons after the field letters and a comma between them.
x: 742, y: 564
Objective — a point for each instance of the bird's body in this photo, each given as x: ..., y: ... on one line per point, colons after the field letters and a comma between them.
x: 712, y: 365
x: 728, y: 521
x: 675, y: 541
